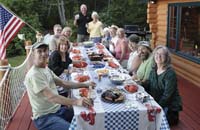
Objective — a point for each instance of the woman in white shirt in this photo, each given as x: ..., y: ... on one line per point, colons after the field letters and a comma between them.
x: 134, y: 61
x: 114, y: 38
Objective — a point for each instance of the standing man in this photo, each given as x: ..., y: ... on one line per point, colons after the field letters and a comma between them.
x: 45, y: 101
x: 81, y: 20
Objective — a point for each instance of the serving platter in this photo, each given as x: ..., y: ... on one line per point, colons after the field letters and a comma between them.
x: 113, y: 96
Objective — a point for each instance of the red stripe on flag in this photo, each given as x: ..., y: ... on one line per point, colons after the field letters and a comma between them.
x: 22, y: 24
x: 8, y: 42
x: 5, y: 30
x: 10, y: 23
x: 11, y: 28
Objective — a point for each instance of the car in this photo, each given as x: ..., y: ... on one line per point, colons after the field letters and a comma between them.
x: 134, y: 29
x: 131, y: 29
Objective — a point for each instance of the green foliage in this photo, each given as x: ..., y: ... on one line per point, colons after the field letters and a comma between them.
x: 121, y: 12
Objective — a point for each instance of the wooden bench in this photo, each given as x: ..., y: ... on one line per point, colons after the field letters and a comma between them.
x: 189, y: 117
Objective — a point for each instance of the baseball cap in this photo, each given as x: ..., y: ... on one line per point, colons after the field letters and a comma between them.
x: 38, y: 45
x: 145, y: 43
x: 134, y: 38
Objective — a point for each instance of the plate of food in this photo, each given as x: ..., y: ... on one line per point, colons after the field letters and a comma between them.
x: 76, y: 57
x: 81, y: 92
x: 81, y: 78
x: 103, y: 71
x: 95, y: 57
x: 75, y: 51
x: 113, y: 64
x: 131, y: 88
x: 84, y: 92
x: 113, y: 96
x: 81, y: 64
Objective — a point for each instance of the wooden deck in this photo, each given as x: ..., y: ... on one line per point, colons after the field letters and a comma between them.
x: 22, y: 118
x: 189, y: 117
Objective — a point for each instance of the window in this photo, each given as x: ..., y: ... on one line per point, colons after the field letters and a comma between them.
x: 184, y: 30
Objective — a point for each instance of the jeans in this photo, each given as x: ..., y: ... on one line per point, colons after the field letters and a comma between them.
x: 96, y: 39
x: 55, y: 121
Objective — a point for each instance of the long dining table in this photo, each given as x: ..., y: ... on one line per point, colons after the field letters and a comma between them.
x: 131, y: 114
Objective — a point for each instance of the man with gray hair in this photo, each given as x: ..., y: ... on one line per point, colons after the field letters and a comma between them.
x: 57, y: 29
x: 81, y: 20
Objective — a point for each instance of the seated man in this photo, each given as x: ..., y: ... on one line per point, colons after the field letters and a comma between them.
x: 144, y: 53
x: 45, y: 101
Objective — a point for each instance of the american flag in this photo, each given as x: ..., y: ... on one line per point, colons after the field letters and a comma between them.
x: 9, y: 26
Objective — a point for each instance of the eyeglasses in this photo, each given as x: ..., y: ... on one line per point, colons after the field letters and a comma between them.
x: 159, y: 54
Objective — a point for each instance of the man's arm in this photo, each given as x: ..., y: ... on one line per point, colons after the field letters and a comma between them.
x: 54, y: 98
x: 72, y: 85
x: 75, y: 22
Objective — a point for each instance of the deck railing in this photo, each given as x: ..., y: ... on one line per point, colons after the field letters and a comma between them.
x: 12, y: 90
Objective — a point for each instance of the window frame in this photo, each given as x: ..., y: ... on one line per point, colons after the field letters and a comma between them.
x: 178, y: 21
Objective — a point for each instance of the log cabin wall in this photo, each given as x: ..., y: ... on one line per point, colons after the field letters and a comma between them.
x: 157, y: 19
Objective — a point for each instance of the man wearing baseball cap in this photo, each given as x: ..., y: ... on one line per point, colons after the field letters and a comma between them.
x: 144, y: 53
x: 45, y: 101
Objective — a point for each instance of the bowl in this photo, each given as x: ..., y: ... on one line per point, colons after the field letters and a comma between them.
x: 97, y: 64
x: 117, y: 79
x: 88, y: 44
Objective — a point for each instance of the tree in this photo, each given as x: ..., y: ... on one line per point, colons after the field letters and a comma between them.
x: 121, y: 12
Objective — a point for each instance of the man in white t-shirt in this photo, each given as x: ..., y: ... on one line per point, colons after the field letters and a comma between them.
x: 45, y: 101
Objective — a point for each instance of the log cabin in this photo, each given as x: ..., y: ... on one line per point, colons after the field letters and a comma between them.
x: 176, y: 24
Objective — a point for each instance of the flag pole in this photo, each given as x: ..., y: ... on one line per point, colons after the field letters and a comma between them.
x: 20, y: 18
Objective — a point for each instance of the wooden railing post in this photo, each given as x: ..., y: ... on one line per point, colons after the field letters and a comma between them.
x: 28, y: 45
x: 3, y: 66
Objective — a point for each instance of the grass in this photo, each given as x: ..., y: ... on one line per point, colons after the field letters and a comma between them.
x: 16, y: 61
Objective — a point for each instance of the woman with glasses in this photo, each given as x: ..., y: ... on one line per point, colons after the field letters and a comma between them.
x: 163, y: 84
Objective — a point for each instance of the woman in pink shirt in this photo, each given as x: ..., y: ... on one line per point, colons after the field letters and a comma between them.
x: 121, y: 49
